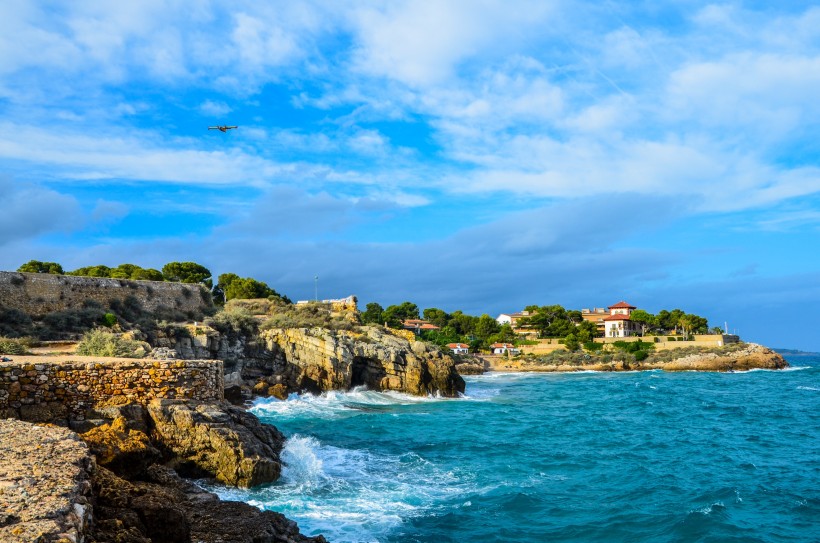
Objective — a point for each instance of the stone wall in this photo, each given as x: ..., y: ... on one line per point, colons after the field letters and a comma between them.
x: 36, y: 390
x: 40, y: 293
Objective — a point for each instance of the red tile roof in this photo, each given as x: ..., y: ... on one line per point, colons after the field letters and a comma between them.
x: 500, y: 345
x: 622, y: 305
x: 458, y: 346
x: 418, y: 324
x: 617, y: 318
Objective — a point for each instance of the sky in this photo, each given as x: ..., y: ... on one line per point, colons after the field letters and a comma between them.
x: 475, y: 155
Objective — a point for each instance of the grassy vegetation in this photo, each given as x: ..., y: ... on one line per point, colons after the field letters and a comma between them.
x: 18, y: 346
x: 102, y: 342
x: 308, y: 316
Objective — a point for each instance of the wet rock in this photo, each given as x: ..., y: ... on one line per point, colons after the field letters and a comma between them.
x: 217, y: 440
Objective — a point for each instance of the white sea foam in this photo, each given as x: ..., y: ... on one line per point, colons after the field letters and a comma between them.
x: 351, y: 495
x: 335, y: 404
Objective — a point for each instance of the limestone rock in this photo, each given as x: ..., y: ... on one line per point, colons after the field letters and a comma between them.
x: 217, y: 440
x: 751, y: 356
x: 318, y: 359
x: 126, y: 451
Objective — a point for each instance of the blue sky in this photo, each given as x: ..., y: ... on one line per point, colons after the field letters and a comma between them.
x: 473, y: 155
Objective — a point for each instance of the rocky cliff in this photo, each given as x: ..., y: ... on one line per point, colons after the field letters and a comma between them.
x: 283, y: 360
x: 317, y: 359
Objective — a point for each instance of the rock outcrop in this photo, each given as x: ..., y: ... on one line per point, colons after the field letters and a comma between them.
x: 737, y: 357
x: 751, y: 356
x: 163, y: 508
x: 216, y: 440
x: 45, y: 484
x: 318, y: 359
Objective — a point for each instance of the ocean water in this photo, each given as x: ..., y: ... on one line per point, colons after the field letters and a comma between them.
x: 615, y: 457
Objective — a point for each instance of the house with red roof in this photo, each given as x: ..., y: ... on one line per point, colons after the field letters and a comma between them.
x: 504, y: 348
x: 459, y: 348
x: 618, y: 323
x: 418, y: 326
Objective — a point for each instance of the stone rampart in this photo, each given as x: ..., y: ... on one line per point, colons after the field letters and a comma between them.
x: 40, y: 293
x: 62, y: 390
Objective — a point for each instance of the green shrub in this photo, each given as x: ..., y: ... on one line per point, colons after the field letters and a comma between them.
x: 109, y: 320
x: 14, y: 346
x: 233, y: 322
x: 641, y: 355
x: 101, y: 342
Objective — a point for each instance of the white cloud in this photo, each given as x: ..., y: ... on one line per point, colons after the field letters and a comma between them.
x: 214, y: 109
x: 422, y: 43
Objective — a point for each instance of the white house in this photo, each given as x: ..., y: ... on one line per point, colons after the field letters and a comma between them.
x: 459, y: 348
x: 504, y: 348
x: 618, y: 323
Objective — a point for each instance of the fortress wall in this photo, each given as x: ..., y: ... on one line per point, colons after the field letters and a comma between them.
x: 46, y: 391
x: 40, y: 293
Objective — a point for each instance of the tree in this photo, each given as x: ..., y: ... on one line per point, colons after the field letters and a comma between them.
x: 669, y: 320
x: 571, y: 342
x: 586, y: 331
x: 187, y: 272
x: 394, y: 315
x: 485, y: 326
x: 147, y: 274
x: 505, y: 334
x: 93, y: 271
x: 646, y: 320
x: 548, y: 320
x: 35, y: 266
x: 372, y: 313
x: 124, y: 271
x: 230, y: 286
x: 436, y: 316
x: 693, y: 324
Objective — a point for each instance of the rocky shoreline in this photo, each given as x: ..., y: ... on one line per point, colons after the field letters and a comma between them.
x: 749, y: 356
x: 139, y: 427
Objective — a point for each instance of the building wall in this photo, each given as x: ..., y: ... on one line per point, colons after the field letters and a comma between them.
x: 30, y: 388
x: 40, y: 293
x: 669, y: 342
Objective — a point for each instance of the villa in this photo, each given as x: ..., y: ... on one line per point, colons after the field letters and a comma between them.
x: 618, y: 323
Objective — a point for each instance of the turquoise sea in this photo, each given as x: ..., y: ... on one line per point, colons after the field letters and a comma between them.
x: 615, y: 457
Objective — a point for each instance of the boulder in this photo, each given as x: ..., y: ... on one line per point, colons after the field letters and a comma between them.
x: 216, y: 440
x: 117, y: 447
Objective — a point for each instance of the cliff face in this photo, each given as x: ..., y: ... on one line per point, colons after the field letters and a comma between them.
x: 318, y: 359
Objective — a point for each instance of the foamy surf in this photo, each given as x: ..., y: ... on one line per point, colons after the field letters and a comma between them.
x: 350, y: 495
x: 335, y: 404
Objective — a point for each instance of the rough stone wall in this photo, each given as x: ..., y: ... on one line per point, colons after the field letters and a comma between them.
x: 41, y: 293
x: 64, y: 390
x: 45, y: 484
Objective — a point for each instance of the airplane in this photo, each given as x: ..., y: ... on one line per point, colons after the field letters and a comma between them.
x: 221, y: 128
